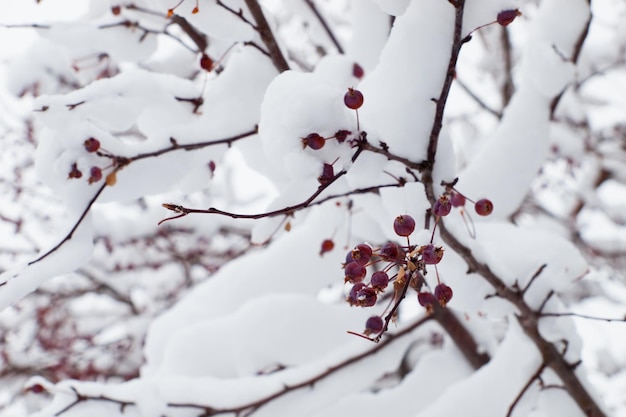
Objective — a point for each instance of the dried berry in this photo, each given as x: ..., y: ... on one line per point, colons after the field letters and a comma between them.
x: 342, y: 135
x: 426, y: 299
x: 390, y: 252
x: 366, y: 297
x: 74, y: 172
x: 328, y: 173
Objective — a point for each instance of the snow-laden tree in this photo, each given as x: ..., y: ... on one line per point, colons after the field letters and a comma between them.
x: 290, y: 208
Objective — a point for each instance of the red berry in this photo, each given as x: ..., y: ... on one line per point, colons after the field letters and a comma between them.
x: 442, y: 207
x: 313, y: 141
x: 404, y: 225
x: 327, y: 246
x: 426, y: 299
x: 374, y: 325
x: 352, y: 296
x: 353, y: 99
x: 361, y: 254
x: 379, y: 280
x: 357, y: 71
x: 212, y: 166
x: 74, y: 172
x: 354, y: 272
x: 505, y: 17
x: 457, y: 199
x: 390, y: 252
x: 92, y: 144
x: 95, y: 175
x: 116, y: 10
x: 366, y: 297
x: 206, y: 63
x: 431, y: 255
x: 37, y: 388
x: 483, y: 207
x: 443, y: 294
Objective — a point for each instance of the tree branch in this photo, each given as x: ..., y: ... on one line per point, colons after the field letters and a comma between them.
x: 267, y: 36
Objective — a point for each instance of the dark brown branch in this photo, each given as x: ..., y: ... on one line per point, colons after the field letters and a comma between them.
x: 238, y: 13
x: 457, y: 43
x: 584, y: 316
x: 252, y: 406
x: 575, y: 55
x: 183, y: 211
x: 507, y: 87
x: 462, y: 338
x: 267, y: 36
x: 73, y: 230
x: 534, y: 377
x: 325, y: 25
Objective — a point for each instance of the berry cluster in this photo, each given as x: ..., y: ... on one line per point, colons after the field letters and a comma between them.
x: 399, y: 266
x: 92, y: 145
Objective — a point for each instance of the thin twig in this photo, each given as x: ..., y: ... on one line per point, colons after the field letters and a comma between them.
x: 325, y: 25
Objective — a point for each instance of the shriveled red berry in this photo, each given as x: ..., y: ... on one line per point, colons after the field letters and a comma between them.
x: 457, y: 199
x: 116, y: 10
x: 379, y: 280
x: 361, y: 254
x: 443, y: 294
x: 357, y: 71
x: 426, y: 299
x: 354, y: 272
x: 391, y: 251
x: 74, y: 172
x: 404, y: 225
x: 342, y: 135
x: 505, y: 17
x: 442, y: 207
x: 206, y: 63
x: 313, y: 141
x: 366, y: 297
x: 95, y: 175
x: 374, y: 325
x: 328, y: 173
x: 353, y: 99
x: 483, y: 207
x: 92, y: 144
x: 431, y: 255
x: 327, y: 246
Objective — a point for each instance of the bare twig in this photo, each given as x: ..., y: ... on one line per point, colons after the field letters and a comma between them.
x: 534, y: 377
x: 325, y: 25
x: 267, y: 36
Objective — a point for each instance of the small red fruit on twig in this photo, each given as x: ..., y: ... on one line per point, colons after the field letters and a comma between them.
x: 313, y: 141
x: 95, y: 175
x: 327, y: 246
x: 92, y: 145
x: 374, y: 325
x: 505, y: 17
x: 353, y: 99
x: 206, y: 63
x: 443, y: 294
x: 357, y: 71
x: 483, y: 207
x: 404, y: 225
